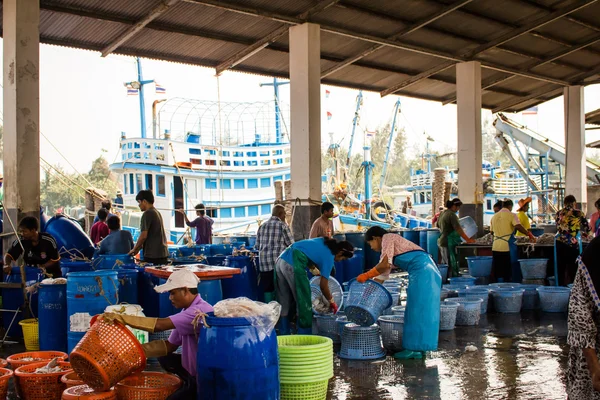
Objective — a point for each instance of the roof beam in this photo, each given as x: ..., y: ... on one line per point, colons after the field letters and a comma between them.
x: 536, y: 94
x: 409, y: 29
x: 370, y: 38
x: 508, y: 36
x: 134, y: 29
x: 257, y: 46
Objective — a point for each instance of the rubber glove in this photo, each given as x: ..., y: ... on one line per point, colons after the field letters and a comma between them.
x: 362, y: 278
x: 143, y: 323
x: 333, y: 306
x: 155, y: 348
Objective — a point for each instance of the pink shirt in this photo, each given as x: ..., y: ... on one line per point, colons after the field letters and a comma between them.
x: 184, y: 335
x: 392, y: 244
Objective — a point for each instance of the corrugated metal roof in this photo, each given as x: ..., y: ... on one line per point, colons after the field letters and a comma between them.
x: 593, y: 118
x: 529, y: 49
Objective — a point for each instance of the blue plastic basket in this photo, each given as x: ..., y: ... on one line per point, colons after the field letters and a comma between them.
x: 361, y: 343
x: 531, y: 299
x: 341, y: 322
x: 448, y: 312
x: 504, y: 285
x: 480, y: 266
x: 508, y: 300
x: 366, y: 302
x: 534, y: 268
x: 334, y: 287
x: 463, y: 280
x: 443, y: 268
x: 476, y: 293
x: 395, y: 300
x: 391, y: 327
x: 554, y: 298
x: 469, y: 310
x: 327, y: 326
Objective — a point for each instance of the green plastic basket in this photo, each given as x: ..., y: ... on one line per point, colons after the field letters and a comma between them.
x: 303, y: 343
x: 304, y: 391
x: 306, y: 363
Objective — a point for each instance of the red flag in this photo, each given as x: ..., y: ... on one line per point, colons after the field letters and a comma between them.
x: 329, y: 115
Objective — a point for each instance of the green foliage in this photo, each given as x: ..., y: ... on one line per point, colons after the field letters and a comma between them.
x: 65, y: 189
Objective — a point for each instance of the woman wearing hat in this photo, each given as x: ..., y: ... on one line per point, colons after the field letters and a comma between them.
x: 522, y: 215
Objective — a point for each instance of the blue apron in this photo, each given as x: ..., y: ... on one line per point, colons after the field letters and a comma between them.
x: 422, y: 314
x: 515, y: 267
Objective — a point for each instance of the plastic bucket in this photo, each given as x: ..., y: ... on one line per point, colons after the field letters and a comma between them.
x: 67, y: 266
x: 128, y: 285
x: 12, y: 299
x: 236, y: 361
x: 443, y: 268
x: 480, y: 266
x: 508, y: 300
x: 448, y: 312
x: 476, y: 293
x: 52, y: 316
x: 244, y: 284
x: 462, y: 280
x: 534, y: 268
x: 531, y: 299
x: 366, y: 302
x: 115, y: 261
x: 469, y: 310
x: 88, y: 294
x: 554, y: 298
x: 31, y: 335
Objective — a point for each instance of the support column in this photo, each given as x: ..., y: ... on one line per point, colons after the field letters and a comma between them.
x: 575, y: 164
x: 21, y: 34
x: 468, y: 100
x: 305, y: 107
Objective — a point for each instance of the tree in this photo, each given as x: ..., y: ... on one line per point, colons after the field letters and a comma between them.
x: 101, y: 177
x: 60, y: 189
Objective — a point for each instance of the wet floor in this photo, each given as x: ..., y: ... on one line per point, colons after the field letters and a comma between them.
x: 519, y: 356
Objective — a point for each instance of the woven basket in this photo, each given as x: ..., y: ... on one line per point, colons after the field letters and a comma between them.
x: 3, y: 363
x: 148, y: 386
x: 106, y: 354
x: 5, y: 375
x: 72, y: 379
x: 31, y: 335
x: 20, y: 359
x: 84, y: 392
x: 32, y: 386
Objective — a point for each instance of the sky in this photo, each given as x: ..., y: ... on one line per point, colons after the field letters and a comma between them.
x: 84, y: 105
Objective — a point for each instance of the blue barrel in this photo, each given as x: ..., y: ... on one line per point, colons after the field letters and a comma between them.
x: 413, y: 236
x: 354, y: 266
x: 223, y: 249
x: 210, y: 291
x: 339, y: 236
x: 244, y: 284
x: 357, y: 239
x: 88, y: 294
x: 12, y: 299
x: 147, y: 296
x: 128, y: 285
x: 251, y: 241
x: 423, y: 240
x: 413, y: 223
x: 218, y: 261
x: 432, y: 247
x: 114, y: 261
x: 236, y: 361
x: 371, y: 257
x: 68, y: 234
x: 165, y: 307
x: 185, y: 251
x: 52, y: 317
x: 67, y: 266
x: 340, y: 271
x: 401, y: 220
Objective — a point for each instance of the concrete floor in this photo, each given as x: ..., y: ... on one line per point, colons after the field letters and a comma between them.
x: 519, y: 356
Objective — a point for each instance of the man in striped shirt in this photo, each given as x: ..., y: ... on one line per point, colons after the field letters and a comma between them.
x: 272, y: 238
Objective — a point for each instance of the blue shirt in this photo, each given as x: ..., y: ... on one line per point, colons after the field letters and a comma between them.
x: 117, y: 242
x: 316, y: 251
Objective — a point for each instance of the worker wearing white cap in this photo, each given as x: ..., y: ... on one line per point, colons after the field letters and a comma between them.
x: 118, y: 201
x: 183, y: 293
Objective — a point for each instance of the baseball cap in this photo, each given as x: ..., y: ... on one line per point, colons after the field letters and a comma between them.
x: 183, y: 278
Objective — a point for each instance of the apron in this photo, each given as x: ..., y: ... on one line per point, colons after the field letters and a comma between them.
x: 454, y: 240
x: 515, y: 267
x: 303, y: 293
x: 422, y: 314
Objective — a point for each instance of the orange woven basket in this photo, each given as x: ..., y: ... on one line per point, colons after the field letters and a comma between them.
x: 3, y: 363
x: 34, y: 357
x: 148, y: 386
x: 72, y: 379
x: 106, y: 354
x: 32, y: 386
x: 5, y: 375
x: 84, y: 392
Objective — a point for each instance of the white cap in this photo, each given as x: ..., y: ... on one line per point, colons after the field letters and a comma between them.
x: 183, y: 278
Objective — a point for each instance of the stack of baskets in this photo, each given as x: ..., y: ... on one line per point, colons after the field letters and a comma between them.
x: 391, y: 327
x: 84, y: 392
x: 305, y: 366
x: 40, y: 386
x: 361, y: 343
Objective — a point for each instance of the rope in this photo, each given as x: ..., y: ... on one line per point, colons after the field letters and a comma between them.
x: 102, y: 293
x: 200, y: 316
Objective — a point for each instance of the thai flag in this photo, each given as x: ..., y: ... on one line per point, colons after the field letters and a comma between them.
x: 329, y: 115
x: 327, y: 93
x: 531, y: 111
x: 370, y: 134
x: 131, y: 91
x: 160, y: 89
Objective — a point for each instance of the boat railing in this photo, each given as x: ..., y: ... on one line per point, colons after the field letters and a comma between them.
x: 196, y: 156
x: 510, y: 186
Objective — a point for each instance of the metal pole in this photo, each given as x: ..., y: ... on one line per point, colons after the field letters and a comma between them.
x: 142, y: 103
x: 368, y: 166
x: 387, y: 152
x: 354, y: 123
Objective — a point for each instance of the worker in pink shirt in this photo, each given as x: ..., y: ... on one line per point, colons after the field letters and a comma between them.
x: 182, y: 286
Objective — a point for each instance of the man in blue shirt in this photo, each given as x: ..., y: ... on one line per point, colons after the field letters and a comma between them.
x: 118, y: 201
x: 117, y: 241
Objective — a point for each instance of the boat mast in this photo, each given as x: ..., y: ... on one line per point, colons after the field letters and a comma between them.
x: 139, y: 85
x: 387, y: 152
x: 354, y: 123
x: 276, y: 84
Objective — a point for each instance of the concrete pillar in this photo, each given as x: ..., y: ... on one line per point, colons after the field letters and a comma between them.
x: 305, y: 107
x: 468, y: 101
x: 575, y: 174
x: 21, y: 34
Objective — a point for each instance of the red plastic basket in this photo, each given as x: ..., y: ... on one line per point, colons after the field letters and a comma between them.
x: 72, y: 379
x: 106, y: 354
x: 3, y: 363
x: 34, y: 357
x: 148, y: 386
x: 84, y: 392
x: 5, y: 375
x: 32, y: 386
